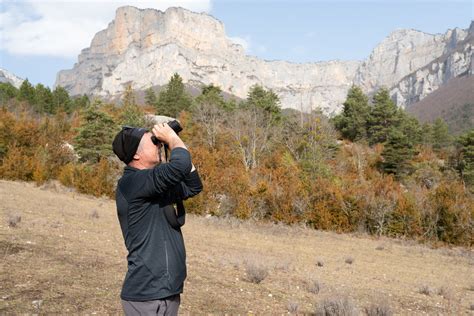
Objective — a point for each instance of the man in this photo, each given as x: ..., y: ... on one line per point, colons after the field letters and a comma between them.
x: 150, y: 226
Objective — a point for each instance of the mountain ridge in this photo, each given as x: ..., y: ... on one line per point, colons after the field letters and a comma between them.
x: 146, y: 46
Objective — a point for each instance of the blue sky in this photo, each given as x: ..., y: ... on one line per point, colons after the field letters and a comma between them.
x: 39, y: 38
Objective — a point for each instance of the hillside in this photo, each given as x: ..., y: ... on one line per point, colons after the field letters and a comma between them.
x: 453, y: 102
x: 66, y: 255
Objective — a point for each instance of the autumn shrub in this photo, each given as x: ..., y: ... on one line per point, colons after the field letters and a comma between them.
x: 381, y: 202
x: 225, y: 180
x: 95, y: 179
x: 406, y: 219
x: 18, y: 164
x: 7, y: 122
x: 283, y: 196
x: 449, y: 214
x: 327, y: 209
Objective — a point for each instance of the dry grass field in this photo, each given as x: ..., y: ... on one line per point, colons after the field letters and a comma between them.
x: 62, y: 252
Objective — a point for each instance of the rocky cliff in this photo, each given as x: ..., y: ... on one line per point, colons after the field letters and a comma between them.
x: 145, y: 47
x: 6, y: 76
x: 455, y: 61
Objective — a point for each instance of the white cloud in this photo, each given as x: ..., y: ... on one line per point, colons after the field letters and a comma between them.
x: 244, y: 41
x: 63, y: 28
x: 247, y: 43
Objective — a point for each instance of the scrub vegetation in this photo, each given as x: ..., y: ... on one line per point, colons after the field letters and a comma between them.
x: 373, y: 168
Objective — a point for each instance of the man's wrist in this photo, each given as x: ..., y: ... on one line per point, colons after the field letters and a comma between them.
x: 175, y: 142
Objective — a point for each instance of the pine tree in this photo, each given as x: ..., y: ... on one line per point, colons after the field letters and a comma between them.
x: 427, y: 134
x: 173, y: 99
x: 398, y: 151
x: 81, y: 102
x: 27, y: 92
x: 441, y: 137
x: 352, y: 122
x: 95, y: 136
x: 383, y: 116
x: 7, y: 92
x: 150, y: 97
x: 266, y: 100
x: 44, y: 99
x: 466, y: 165
x: 409, y: 126
x: 131, y: 114
x: 61, y: 99
x: 211, y: 89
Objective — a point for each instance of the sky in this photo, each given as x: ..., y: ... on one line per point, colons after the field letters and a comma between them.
x: 38, y: 38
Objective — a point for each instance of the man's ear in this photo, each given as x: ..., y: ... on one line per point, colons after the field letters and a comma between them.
x: 136, y: 157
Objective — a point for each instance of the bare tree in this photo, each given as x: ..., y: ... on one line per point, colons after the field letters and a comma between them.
x: 211, y: 115
x: 254, y: 131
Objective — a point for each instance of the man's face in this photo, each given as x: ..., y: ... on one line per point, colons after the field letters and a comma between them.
x: 148, y: 152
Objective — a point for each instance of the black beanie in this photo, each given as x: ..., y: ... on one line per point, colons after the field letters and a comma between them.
x: 126, y: 143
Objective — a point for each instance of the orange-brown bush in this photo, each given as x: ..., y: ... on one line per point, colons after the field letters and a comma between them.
x: 448, y: 215
x: 18, y: 164
x: 97, y: 179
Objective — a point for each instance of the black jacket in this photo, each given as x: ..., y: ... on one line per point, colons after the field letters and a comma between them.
x: 156, y: 253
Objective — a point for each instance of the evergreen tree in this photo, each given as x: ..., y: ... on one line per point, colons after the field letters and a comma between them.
x: 27, y: 92
x: 150, y: 97
x: 266, y: 100
x: 352, y: 122
x: 173, y: 99
x: 211, y: 89
x: 383, y: 116
x: 44, y: 99
x: 95, y: 135
x: 441, y: 137
x: 7, y: 92
x: 427, y: 134
x: 81, y: 102
x: 410, y: 126
x: 466, y: 164
x: 398, y: 151
x: 131, y: 114
x: 211, y: 94
x: 61, y: 99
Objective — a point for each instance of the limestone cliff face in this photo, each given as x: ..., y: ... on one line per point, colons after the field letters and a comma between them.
x: 401, y: 53
x: 145, y: 47
x: 455, y: 61
x: 6, y: 76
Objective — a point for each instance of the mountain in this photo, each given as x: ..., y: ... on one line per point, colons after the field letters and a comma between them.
x: 6, y: 76
x: 455, y: 61
x: 453, y: 102
x: 144, y: 47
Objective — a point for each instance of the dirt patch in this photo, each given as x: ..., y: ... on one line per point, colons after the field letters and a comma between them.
x: 8, y: 248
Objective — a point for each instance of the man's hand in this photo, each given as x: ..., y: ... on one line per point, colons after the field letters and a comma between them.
x: 168, y: 136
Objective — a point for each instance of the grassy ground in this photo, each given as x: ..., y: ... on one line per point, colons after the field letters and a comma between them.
x: 66, y: 255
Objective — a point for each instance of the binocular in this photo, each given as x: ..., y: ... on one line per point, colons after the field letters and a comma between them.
x: 175, y: 126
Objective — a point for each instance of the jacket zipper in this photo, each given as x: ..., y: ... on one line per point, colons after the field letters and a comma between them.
x: 166, y: 254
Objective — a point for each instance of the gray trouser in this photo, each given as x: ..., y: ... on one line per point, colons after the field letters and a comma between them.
x: 167, y: 306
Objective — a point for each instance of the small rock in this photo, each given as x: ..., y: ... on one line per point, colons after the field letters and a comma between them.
x: 37, y: 303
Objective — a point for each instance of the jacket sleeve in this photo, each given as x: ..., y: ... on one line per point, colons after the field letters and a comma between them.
x: 189, y: 187
x: 166, y: 176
